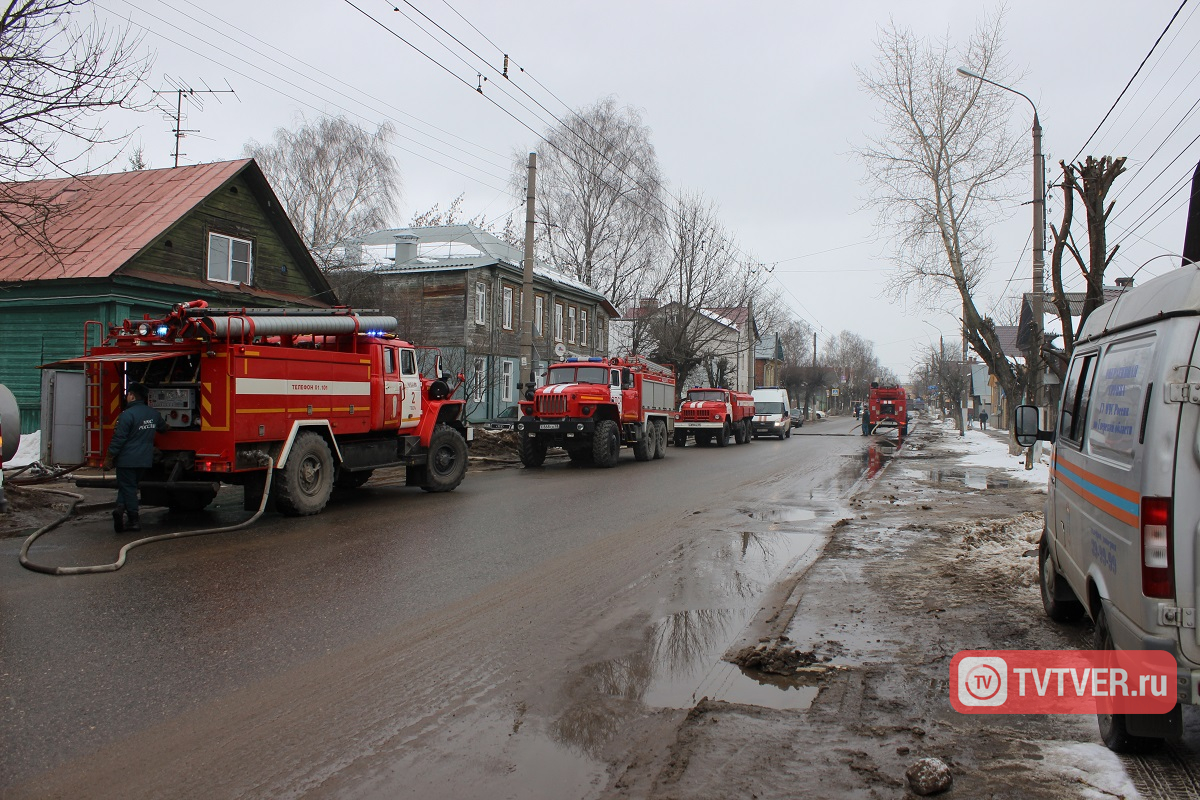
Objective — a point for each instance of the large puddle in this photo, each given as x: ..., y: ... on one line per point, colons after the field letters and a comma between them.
x: 782, y: 514
x: 728, y: 682
x: 972, y: 479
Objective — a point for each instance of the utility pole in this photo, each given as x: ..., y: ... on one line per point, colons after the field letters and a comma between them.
x: 1039, y: 262
x: 180, y: 93
x: 527, y: 278
x: 962, y: 376
x: 812, y: 379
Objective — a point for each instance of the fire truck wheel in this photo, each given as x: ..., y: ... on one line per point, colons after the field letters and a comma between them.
x: 531, y: 450
x: 643, y: 447
x: 306, y: 481
x: 606, y: 444
x: 660, y: 437
x: 352, y: 480
x: 739, y: 433
x: 680, y: 439
x: 447, y: 465
x: 723, y: 436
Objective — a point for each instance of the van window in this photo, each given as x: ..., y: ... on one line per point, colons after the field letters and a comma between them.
x: 1117, y: 398
x: 1075, y: 398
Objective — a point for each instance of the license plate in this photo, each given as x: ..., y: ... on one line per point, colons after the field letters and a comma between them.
x: 549, y: 426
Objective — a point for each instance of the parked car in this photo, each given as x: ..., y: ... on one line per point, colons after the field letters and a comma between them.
x: 797, y: 418
x: 1120, y: 540
x: 504, y: 421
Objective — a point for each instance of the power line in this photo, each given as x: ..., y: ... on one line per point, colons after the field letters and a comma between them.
x: 1135, y: 74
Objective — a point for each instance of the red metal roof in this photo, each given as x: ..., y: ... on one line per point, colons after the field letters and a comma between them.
x: 106, y: 219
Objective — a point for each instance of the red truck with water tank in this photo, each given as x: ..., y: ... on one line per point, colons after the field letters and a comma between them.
x: 887, y: 409
x: 711, y: 415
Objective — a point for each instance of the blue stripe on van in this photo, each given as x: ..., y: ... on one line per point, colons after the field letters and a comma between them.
x: 1127, y: 506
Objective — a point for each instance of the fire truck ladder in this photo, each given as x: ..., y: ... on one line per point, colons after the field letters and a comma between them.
x: 651, y: 367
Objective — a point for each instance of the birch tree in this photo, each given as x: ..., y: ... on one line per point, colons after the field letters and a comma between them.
x: 939, y: 171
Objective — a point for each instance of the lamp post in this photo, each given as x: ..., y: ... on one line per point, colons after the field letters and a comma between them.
x: 1039, y: 239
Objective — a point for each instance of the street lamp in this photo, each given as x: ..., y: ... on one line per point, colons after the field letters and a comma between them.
x: 1039, y: 237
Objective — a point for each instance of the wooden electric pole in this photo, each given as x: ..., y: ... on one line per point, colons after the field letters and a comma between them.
x: 527, y: 308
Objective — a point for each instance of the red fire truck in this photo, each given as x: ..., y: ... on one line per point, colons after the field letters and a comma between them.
x: 327, y: 396
x: 592, y: 406
x: 714, y: 414
x: 887, y: 409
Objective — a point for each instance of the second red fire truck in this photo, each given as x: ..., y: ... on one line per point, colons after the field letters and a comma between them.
x: 887, y: 409
x: 592, y: 407
x: 714, y: 415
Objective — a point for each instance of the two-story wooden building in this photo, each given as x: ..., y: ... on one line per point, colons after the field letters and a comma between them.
x: 119, y: 246
x: 458, y: 288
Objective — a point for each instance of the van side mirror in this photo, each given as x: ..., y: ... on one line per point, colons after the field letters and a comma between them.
x: 1025, y: 426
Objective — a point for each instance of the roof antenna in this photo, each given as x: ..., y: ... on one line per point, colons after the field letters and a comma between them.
x: 181, y: 91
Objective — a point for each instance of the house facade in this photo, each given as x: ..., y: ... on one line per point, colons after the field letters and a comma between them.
x: 135, y: 243
x: 458, y: 288
x: 768, y: 361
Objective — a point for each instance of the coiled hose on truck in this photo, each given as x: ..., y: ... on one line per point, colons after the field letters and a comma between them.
x: 120, y: 562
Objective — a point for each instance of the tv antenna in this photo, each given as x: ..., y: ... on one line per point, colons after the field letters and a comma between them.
x: 194, y: 97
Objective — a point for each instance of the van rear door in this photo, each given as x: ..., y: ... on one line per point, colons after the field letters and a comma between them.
x: 1185, y: 523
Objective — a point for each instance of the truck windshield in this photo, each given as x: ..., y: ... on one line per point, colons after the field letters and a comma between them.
x: 578, y: 375
x: 768, y: 408
x: 700, y: 397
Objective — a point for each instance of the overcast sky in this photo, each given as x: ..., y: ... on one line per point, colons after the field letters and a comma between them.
x: 756, y: 104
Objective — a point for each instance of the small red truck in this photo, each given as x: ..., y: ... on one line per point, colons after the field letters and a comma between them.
x: 887, y: 408
x: 593, y: 406
x: 714, y: 414
x: 324, y: 396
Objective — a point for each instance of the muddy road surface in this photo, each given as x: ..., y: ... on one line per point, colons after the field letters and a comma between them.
x: 523, y: 636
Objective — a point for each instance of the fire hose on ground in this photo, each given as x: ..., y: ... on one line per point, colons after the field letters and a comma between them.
x: 76, y: 499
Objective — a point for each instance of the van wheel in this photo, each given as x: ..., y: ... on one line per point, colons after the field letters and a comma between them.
x: 304, y: 485
x: 1058, y: 599
x: 1113, y: 727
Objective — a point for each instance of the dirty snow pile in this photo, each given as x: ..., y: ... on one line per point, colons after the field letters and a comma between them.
x: 981, y: 449
x: 29, y: 451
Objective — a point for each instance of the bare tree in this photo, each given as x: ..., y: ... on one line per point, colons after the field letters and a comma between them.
x: 335, y: 179
x: 854, y: 366
x: 939, y: 171
x: 598, y: 189
x: 56, y: 76
x: 1090, y: 181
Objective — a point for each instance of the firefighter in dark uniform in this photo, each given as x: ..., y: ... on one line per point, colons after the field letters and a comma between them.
x: 132, y: 452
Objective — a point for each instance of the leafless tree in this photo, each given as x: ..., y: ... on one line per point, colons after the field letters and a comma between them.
x: 854, y: 366
x: 1090, y: 181
x: 937, y: 366
x: 335, y: 179
x: 940, y: 169
x: 598, y: 190
x: 56, y: 75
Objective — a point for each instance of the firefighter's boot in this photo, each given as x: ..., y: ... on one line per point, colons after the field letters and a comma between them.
x: 132, y: 524
x: 118, y: 519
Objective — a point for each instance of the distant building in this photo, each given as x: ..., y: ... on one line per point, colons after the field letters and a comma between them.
x: 458, y: 288
x: 768, y: 360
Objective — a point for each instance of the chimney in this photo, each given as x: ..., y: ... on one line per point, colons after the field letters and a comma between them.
x: 406, y: 248
x: 648, y: 304
x: 1124, y: 283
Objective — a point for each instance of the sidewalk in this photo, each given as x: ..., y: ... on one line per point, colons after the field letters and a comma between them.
x: 941, y: 556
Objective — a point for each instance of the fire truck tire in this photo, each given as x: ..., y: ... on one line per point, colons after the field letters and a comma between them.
x: 703, y: 439
x: 531, y: 450
x: 447, y: 465
x: 680, y: 438
x: 739, y: 433
x: 606, y: 444
x: 352, y: 480
x: 643, y: 447
x: 303, y: 486
x: 660, y: 439
x: 723, y: 436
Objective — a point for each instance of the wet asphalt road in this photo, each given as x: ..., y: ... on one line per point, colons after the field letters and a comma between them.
x: 88, y: 661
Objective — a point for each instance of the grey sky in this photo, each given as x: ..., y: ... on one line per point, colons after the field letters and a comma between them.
x: 756, y: 104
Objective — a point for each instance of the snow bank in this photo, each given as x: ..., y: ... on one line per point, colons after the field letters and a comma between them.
x: 29, y: 451
x: 981, y: 449
x: 1096, y: 769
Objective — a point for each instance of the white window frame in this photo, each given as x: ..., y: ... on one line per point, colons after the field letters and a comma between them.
x: 208, y: 270
x: 480, y: 303
x: 558, y: 322
x: 583, y: 327
x: 479, y: 393
x: 571, y: 320
x: 506, y: 381
x: 539, y: 315
x: 507, y: 320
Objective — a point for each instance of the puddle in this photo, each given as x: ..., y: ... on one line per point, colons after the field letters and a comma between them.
x: 782, y: 514
x: 727, y: 682
x: 972, y: 479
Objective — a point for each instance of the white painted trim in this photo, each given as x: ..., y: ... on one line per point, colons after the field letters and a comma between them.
x: 309, y: 423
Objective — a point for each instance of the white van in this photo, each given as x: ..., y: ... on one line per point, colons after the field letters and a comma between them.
x: 771, y: 415
x: 1123, y: 511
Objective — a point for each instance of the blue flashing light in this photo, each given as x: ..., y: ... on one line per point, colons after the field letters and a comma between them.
x: 595, y: 358
x: 572, y: 359
x: 162, y: 330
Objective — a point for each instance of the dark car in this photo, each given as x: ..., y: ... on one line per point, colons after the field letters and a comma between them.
x: 504, y: 421
x: 797, y: 418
